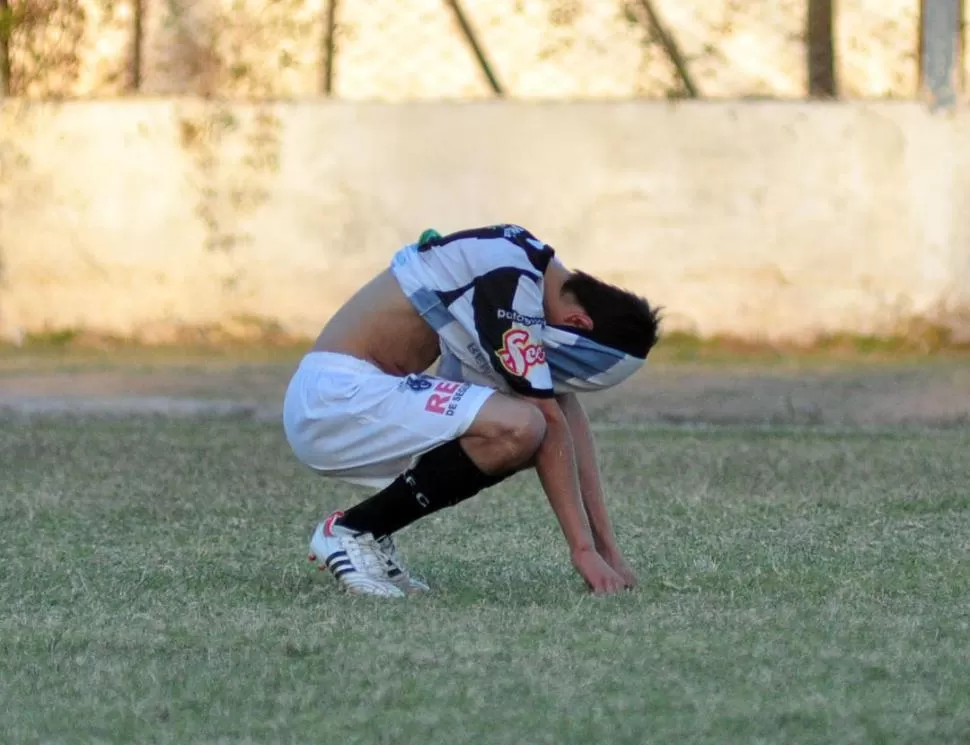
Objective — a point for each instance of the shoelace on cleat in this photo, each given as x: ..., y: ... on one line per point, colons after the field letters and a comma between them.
x: 389, y: 550
x: 365, y: 554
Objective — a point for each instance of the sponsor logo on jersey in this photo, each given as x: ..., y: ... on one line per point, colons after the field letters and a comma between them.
x: 516, y: 317
x: 418, y: 383
x: 446, y: 397
x: 520, y: 353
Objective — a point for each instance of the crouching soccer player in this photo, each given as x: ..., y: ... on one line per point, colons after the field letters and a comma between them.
x: 518, y: 335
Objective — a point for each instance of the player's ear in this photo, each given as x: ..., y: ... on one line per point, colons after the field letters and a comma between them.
x: 579, y: 319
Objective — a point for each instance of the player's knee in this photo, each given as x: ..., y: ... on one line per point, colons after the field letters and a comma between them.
x: 525, y: 431
x: 506, y: 434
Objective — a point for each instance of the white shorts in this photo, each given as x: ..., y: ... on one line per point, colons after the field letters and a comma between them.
x: 347, y: 419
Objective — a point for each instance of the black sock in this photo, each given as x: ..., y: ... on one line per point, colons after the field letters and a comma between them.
x: 441, y: 478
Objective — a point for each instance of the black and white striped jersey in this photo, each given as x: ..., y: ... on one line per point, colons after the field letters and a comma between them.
x: 481, y: 291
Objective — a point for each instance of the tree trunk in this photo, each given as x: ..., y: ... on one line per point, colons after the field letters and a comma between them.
x: 6, y: 26
x: 821, y: 49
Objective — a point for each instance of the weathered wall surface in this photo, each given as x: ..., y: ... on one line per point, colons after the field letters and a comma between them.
x: 762, y: 220
x: 414, y: 49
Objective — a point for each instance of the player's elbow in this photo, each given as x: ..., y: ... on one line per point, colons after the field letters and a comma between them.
x: 553, y: 416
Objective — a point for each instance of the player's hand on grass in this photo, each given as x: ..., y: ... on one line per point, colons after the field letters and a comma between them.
x: 620, y: 566
x: 599, y: 576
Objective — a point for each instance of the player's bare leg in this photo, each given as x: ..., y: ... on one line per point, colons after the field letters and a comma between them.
x: 502, y: 439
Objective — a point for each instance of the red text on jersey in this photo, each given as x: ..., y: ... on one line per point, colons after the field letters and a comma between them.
x: 520, y: 353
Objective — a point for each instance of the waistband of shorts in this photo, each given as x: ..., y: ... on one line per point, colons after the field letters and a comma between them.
x: 337, y: 361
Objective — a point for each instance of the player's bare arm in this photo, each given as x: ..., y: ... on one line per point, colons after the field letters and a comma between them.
x: 556, y: 467
x: 591, y: 487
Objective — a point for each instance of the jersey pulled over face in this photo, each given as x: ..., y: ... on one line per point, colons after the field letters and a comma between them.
x: 481, y: 291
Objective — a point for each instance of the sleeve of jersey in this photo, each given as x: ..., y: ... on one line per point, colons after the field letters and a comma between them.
x: 509, y: 319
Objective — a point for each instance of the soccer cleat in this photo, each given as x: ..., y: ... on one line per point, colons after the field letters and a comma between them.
x: 354, y: 559
x: 396, y: 571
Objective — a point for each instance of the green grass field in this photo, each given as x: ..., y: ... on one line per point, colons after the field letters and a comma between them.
x: 797, y: 586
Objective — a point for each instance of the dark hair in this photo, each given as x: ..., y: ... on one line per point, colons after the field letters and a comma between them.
x: 621, y: 320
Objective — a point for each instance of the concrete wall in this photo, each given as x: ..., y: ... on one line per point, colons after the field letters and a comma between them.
x: 762, y: 220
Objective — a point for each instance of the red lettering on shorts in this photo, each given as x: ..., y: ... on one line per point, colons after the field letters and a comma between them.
x: 445, y: 399
x: 437, y: 404
x: 519, y: 353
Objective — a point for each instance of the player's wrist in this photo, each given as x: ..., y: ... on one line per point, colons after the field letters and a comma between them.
x: 580, y: 539
x: 606, y: 546
x: 582, y: 549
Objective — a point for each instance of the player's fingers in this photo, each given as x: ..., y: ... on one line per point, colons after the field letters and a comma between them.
x: 604, y: 586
